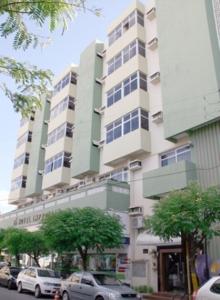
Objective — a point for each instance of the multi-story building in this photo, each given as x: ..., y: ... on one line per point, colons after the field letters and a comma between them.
x: 216, y: 7
x: 138, y: 118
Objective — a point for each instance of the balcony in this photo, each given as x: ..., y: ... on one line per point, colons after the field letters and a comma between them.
x: 169, y: 178
x: 105, y: 195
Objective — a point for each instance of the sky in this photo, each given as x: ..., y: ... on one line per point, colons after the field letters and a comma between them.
x: 62, y: 51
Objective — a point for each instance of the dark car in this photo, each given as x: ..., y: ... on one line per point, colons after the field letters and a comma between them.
x: 8, y: 276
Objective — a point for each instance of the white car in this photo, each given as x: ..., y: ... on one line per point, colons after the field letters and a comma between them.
x: 210, y: 290
x: 38, y: 280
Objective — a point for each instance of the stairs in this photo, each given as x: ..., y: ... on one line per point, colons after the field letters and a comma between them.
x: 165, y: 296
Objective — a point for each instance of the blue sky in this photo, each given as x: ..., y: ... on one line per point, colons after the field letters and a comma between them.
x: 63, y: 50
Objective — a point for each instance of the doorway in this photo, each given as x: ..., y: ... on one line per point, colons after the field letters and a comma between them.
x: 171, y: 270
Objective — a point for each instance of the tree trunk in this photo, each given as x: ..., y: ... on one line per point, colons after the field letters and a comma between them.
x: 36, y: 261
x: 84, y: 256
x: 17, y: 260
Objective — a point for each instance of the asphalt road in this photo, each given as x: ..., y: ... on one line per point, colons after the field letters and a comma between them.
x: 6, y: 294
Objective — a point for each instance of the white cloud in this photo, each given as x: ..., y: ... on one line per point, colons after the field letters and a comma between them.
x: 4, y: 206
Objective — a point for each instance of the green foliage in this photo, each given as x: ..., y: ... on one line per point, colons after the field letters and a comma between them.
x: 82, y: 229
x: 31, y: 83
x: 191, y: 213
x: 34, y: 244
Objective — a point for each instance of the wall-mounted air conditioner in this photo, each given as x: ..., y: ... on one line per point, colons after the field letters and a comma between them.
x: 99, y: 143
x: 43, y: 146
x: 100, y: 80
x: 151, y: 13
x: 152, y: 44
x: 46, y: 122
x: 155, y: 77
x: 157, y: 117
x: 100, y: 110
x: 41, y: 172
x: 101, y: 54
x: 137, y: 222
x: 135, y: 210
x: 135, y: 165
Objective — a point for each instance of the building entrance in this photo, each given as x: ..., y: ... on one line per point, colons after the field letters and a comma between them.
x: 171, y: 270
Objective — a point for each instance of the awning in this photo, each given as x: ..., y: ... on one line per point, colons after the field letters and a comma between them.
x: 146, y: 239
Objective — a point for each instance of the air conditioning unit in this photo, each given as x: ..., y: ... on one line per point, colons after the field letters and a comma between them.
x: 98, y: 144
x: 135, y: 165
x: 151, y: 13
x: 152, y: 44
x: 101, y: 54
x: 46, y: 122
x: 41, y: 172
x: 135, y: 210
x: 99, y: 110
x: 43, y: 146
x: 100, y: 80
x: 137, y: 222
x: 155, y: 77
x: 81, y: 184
x: 157, y: 117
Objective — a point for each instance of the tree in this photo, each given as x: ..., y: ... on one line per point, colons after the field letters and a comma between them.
x: 13, y: 242
x: 34, y: 245
x: 190, y: 214
x: 31, y: 82
x: 82, y: 230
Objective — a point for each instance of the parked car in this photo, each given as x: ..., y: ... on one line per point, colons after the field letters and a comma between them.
x: 209, y: 291
x: 95, y: 286
x: 38, y: 280
x: 8, y: 276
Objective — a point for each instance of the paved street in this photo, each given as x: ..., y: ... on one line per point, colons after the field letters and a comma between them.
x: 6, y: 294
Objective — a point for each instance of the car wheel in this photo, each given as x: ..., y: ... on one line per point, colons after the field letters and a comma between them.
x: 99, y: 298
x: 9, y: 285
x: 65, y: 296
x: 37, y: 292
x: 20, y: 287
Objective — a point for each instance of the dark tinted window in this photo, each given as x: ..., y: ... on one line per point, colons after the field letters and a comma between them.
x: 15, y: 271
x: 103, y: 279
x: 215, y: 288
x: 47, y: 273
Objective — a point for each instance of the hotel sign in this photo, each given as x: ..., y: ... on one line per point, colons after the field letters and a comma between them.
x: 29, y: 220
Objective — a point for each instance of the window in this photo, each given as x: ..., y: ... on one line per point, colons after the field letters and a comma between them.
x: 114, y: 95
x: 114, y: 63
x: 215, y: 288
x: 120, y: 175
x: 57, y: 161
x: 126, y: 54
x: 130, y: 84
x: 129, y: 21
x: 63, y: 130
x: 22, y: 159
x: 69, y: 78
x: 26, y: 137
x: 73, y: 78
x: 66, y: 103
x: 19, y: 182
x: 173, y: 156
x: 130, y: 122
x: 135, y: 17
x: 140, y: 18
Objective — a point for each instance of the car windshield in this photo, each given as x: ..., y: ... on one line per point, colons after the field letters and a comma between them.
x: 103, y: 279
x: 47, y: 273
x: 14, y: 272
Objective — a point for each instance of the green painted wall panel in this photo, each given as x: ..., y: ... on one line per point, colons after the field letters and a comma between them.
x: 87, y: 122
x: 206, y: 154
x: 36, y: 162
x: 107, y: 195
x: 189, y: 64
x: 169, y: 178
